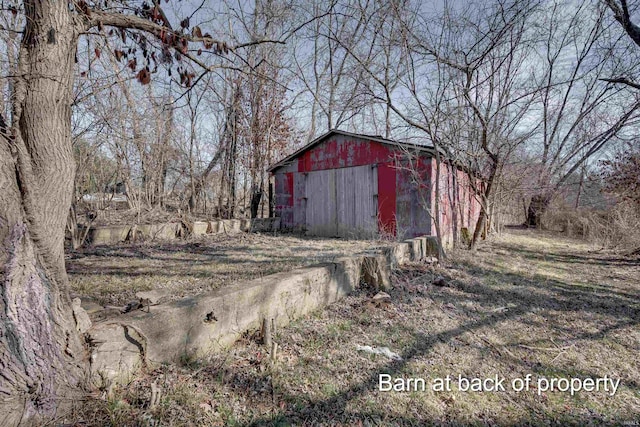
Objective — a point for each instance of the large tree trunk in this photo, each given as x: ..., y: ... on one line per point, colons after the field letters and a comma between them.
x: 42, y: 362
x: 537, y: 207
x: 256, y: 197
x: 436, y: 208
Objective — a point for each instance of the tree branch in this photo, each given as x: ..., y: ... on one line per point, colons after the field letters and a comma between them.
x: 623, y: 80
x: 621, y: 14
x: 132, y: 22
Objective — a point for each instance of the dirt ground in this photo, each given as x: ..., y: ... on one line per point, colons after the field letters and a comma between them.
x: 524, y: 303
x: 113, y: 274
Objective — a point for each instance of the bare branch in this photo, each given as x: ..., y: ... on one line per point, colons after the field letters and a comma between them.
x: 132, y: 22
x: 621, y: 14
x: 624, y: 81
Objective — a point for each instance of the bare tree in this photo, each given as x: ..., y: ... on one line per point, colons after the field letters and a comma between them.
x: 582, y: 112
x: 10, y: 24
x: 467, y: 84
x: 326, y: 69
x: 622, y: 174
x: 198, y: 179
x: 41, y: 350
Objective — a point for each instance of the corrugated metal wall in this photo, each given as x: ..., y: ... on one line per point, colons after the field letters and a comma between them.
x: 284, y: 197
x: 413, y: 196
x: 459, y: 206
x: 342, y: 202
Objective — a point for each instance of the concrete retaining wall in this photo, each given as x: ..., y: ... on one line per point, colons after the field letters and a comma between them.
x: 212, y: 321
x: 171, y: 230
x: 110, y: 234
x: 196, y: 325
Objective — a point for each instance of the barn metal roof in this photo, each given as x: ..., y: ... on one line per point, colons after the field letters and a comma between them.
x: 375, y: 138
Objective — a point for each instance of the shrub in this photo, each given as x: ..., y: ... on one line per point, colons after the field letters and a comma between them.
x: 617, y: 228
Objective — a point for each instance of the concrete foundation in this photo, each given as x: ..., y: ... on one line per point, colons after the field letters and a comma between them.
x: 171, y: 230
x: 106, y: 235
x: 200, y: 228
x: 197, y: 325
x: 203, y: 323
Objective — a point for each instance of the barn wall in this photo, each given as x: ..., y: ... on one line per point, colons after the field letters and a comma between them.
x: 458, y: 205
x: 413, y: 195
x: 342, y: 202
x: 283, y: 189
x: 340, y: 151
x: 337, y: 151
x: 387, y: 198
x: 405, y: 189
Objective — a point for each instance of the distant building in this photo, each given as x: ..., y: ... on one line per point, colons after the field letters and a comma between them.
x: 351, y: 185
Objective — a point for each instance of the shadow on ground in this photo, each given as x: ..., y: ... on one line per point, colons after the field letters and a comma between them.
x: 523, y: 296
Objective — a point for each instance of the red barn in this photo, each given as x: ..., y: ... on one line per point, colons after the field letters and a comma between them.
x: 350, y: 185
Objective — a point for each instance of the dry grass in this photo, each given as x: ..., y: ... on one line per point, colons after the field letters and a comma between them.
x: 525, y: 303
x: 615, y: 229
x: 113, y: 274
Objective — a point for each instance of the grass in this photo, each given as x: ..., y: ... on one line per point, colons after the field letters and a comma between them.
x: 524, y: 303
x: 113, y: 274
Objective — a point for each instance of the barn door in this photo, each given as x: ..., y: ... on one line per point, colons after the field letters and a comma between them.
x: 342, y: 202
x: 320, y: 194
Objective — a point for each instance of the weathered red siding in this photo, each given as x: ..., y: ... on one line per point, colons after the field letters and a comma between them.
x: 458, y: 205
x: 348, y: 152
x: 413, y: 195
x: 387, y: 198
x: 289, y: 188
x: 406, y: 194
x: 284, y: 197
x: 343, y: 153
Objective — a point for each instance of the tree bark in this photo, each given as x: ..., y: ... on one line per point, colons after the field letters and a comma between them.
x: 159, y: 155
x: 482, y: 218
x: 436, y: 208
x: 537, y: 207
x: 256, y: 197
x: 42, y: 362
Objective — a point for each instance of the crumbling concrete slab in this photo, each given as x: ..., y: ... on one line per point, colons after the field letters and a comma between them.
x: 166, y: 231
x: 153, y: 231
x: 107, y: 235
x: 89, y: 304
x: 154, y: 296
x: 232, y: 225
x: 265, y: 224
x: 83, y: 323
x: 348, y: 271
x: 431, y: 246
x: 228, y: 226
x: 118, y: 351
x: 208, y: 322
x: 245, y: 225
x: 415, y: 249
x: 119, y: 233
x: 200, y: 228
x: 214, y: 227
x: 376, y: 272
x: 171, y: 230
x: 398, y: 254
x: 215, y: 320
